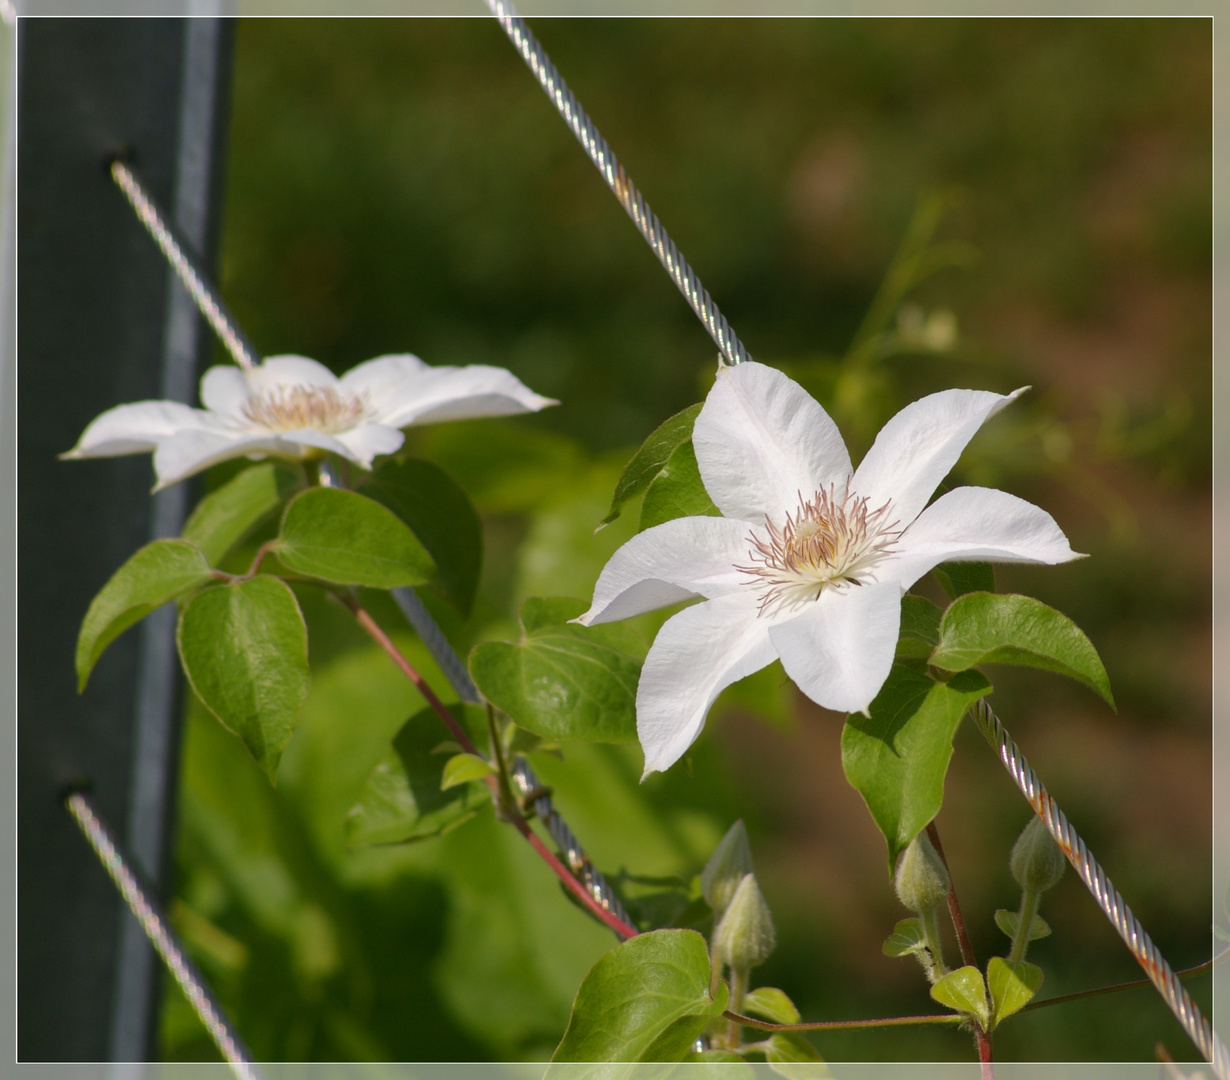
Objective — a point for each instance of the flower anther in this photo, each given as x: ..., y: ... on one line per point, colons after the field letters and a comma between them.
x: 829, y: 542
x: 290, y: 408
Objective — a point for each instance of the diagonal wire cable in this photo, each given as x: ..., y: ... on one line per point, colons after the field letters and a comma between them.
x: 189, y: 272
x: 138, y: 897
x: 646, y: 221
x: 1141, y: 946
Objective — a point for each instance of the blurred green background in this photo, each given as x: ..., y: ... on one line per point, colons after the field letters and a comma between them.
x: 405, y: 186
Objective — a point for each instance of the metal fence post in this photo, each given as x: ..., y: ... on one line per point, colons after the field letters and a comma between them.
x: 100, y: 322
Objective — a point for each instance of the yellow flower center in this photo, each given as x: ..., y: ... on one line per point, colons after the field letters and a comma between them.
x: 292, y: 408
x: 827, y: 543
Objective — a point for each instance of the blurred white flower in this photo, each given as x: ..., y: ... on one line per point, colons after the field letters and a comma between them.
x: 811, y: 558
x: 293, y: 407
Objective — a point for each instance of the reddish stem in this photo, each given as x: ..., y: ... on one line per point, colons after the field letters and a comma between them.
x: 843, y: 1025
x: 967, y: 950
x: 954, y: 908
x: 549, y: 857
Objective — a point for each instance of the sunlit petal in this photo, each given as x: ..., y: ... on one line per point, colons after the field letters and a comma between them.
x: 919, y: 446
x: 697, y: 654
x: 762, y: 441
x: 434, y: 394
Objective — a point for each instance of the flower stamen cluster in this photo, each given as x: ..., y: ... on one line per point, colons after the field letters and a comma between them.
x: 828, y: 542
x: 291, y: 408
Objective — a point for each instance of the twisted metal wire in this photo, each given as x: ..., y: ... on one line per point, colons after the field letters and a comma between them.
x: 524, y: 780
x: 138, y: 899
x: 1113, y: 906
x: 194, y: 280
x: 646, y: 221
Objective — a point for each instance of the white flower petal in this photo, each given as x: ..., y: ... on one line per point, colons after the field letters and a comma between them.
x: 697, y: 654
x: 840, y: 650
x: 919, y: 446
x: 974, y: 523
x: 136, y: 428
x: 674, y: 561
x: 381, y: 377
x: 290, y: 371
x: 761, y: 440
x: 188, y: 452
x: 434, y: 394
x: 224, y: 389
x: 366, y: 442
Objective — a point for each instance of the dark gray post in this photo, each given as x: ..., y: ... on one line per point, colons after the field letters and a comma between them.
x: 100, y: 323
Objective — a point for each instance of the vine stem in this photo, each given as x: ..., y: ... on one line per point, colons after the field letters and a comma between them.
x: 522, y: 826
x: 843, y: 1025
x: 983, y: 1040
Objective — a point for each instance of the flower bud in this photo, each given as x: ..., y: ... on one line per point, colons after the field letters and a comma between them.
x: 1036, y: 861
x: 730, y: 862
x: 745, y: 936
x: 922, y: 880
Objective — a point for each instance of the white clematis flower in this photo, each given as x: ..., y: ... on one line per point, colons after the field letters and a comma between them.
x: 293, y: 407
x: 811, y: 558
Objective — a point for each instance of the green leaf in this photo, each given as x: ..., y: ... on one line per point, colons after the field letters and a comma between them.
x: 156, y: 574
x: 349, y: 539
x: 959, y: 578
x: 462, y: 768
x: 920, y: 628
x: 906, y: 939
x: 897, y: 757
x: 1012, y: 984
x: 1007, y: 921
x: 769, y: 1003
x: 244, y: 650
x: 964, y: 991
x: 403, y: 799
x: 645, y: 1000
x: 677, y: 491
x: 791, y: 1054
x: 441, y: 515
x: 226, y: 516
x: 561, y: 681
x: 651, y: 458
x: 983, y: 628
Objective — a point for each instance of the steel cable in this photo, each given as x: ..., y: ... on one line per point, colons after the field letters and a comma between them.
x: 646, y: 221
x: 206, y: 297
x: 1113, y: 906
x: 139, y: 899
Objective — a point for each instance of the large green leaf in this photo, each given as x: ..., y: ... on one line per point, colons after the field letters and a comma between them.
x: 349, y: 539
x: 920, y: 628
x: 959, y: 578
x: 652, y: 458
x: 156, y: 574
x: 677, y: 491
x: 897, y: 757
x: 226, y: 516
x: 561, y: 681
x: 985, y: 628
x: 645, y: 1000
x: 244, y: 649
x: 1012, y: 983
x: 440, y: 514
x: 403, y: 798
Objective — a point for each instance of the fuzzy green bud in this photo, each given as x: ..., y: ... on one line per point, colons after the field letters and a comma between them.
x: 922, y: 880
x: 1036, y: 861
x: 730, y: 862
x: 745, y: 936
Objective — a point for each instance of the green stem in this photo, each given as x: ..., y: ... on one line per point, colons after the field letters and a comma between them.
x: 1024, y: 921
x: 930, y: 920
x: 738, y: 991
